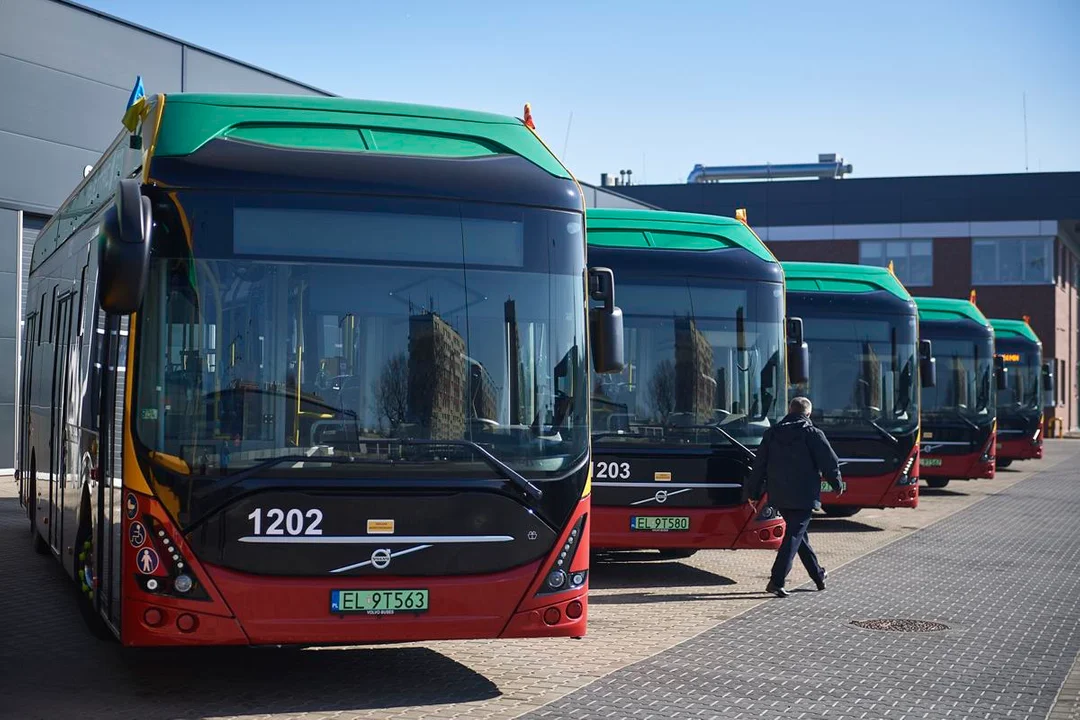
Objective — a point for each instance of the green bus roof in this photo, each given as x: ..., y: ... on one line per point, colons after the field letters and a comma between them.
x: 935, y: 308
x: 191, y: 120
x: 842, y: 278
x: 670, y: 231
x: 1013, y: 328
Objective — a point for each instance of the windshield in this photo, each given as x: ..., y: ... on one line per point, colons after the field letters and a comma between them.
x: 965, y: 371
x: 863, y: 369
x: 700, y: 355
x: 1023, y: 373
x: 320, y: 326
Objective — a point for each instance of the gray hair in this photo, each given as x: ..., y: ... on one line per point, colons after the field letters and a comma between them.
x: 800, y: 406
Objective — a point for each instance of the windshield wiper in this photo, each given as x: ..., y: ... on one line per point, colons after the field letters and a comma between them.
x: 241, y: 475
x: 884, y: 433
x: 965, y: 418
x: 750, y: 454
x: 520, y: 481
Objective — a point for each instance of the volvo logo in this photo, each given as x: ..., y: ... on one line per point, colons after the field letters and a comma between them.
x: 380, y: 559
x: 661, y: 496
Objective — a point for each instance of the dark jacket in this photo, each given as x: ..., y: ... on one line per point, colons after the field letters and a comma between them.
x: 793, y: 458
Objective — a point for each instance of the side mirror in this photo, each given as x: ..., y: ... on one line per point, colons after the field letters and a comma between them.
x: 124, y: 250
x: 1048, y: 388
x: 1000, y: 373
x: 927, y: 365
x: 798, y: 353
x: 605, y: 323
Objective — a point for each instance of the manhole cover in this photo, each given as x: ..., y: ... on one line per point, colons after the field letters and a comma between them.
x: 898, y: 625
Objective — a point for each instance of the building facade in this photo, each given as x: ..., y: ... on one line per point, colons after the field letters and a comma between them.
x: 1014, y: 239
x: 65, y: 75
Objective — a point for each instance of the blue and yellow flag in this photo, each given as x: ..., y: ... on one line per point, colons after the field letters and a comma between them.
x: 135, y: 105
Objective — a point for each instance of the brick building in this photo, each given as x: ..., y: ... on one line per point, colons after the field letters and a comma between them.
x: 1015, y: 239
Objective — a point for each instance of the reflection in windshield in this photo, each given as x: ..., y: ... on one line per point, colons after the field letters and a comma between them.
x: 862, y: 371
x: 698, y: 357
x: 259, y: 357
x: 965, y: 371
x: 1022, y: 377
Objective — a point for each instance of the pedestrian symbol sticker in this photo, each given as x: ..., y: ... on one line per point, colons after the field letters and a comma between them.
x: 131, y: 504
x: 137, y: 534
x: 148, y: 561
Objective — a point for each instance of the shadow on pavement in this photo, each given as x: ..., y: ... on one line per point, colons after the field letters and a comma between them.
x: 828, y: 524
x: 215, y: 682
x: 651, y: 598
x: 611, y: 575
x: 941, y: 492
x: 50, y: 667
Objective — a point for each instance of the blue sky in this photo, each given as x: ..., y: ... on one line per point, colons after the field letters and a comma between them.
x: 907, y: 88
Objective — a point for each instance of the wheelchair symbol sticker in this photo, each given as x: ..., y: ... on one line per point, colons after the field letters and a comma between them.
x: 148, y: 561
x: 137, y: 534
x: 131, y: 504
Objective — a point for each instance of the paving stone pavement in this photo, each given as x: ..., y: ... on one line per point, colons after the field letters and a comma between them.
x: 1004, y: 575
x: 50, y: 668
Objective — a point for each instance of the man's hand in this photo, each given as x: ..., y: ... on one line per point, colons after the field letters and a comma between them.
x: 839, y: 487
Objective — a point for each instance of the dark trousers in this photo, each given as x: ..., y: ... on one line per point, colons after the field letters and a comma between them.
x: 795, y: 541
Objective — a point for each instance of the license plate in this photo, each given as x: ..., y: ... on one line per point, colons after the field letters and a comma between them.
x: 930, y: 462
x: 659, y: 523
x: 378, y: 602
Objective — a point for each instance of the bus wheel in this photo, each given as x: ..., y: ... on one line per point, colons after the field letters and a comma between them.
x: 840, y: 511
x: 41, y: 545
x: 937, y: 482
x: 676, y: 554
x: 88, y: 578
x: 1004, y: 462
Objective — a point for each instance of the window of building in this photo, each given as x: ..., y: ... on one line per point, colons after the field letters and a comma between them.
x: 913, y: 260
x: 1012, y: 261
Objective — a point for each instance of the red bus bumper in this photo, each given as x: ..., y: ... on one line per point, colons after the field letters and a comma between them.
x: 968, y: 467
x: 248, y: 609
x: 875, y: 491
x: 1022, y: 448
x: 716, y: 528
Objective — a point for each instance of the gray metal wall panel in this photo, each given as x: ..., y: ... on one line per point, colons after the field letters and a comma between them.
x: 7, y: 388
x: 38, y: 175
x: 78, y: 42
x: 9, y: 323
x: 59, y: 107
x: 7, y: 436
x: 205, y: 73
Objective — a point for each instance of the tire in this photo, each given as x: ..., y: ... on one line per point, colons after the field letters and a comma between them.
x: 1004, y: 462
x: 676, y: 554
x: 840, y: 511
x: 86, y: 577
x: 40, y: 544
x: 937, y: 482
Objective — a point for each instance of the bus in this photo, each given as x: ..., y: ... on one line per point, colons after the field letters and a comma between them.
x: 313, y: 371
x: 703, y: 378
x: 861, y: 326
x: 1020, y: 402
x: 959, y: 414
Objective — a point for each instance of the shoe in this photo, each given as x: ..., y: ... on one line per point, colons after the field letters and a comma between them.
x: 777, y: 590
x: 821, y: 581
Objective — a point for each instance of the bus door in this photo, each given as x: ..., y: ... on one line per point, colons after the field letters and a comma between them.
x: 29, y: 340
x: 58, y: 426
x: 109, y: 353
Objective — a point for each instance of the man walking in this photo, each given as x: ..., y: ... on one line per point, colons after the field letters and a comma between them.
x: 793, y: 458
